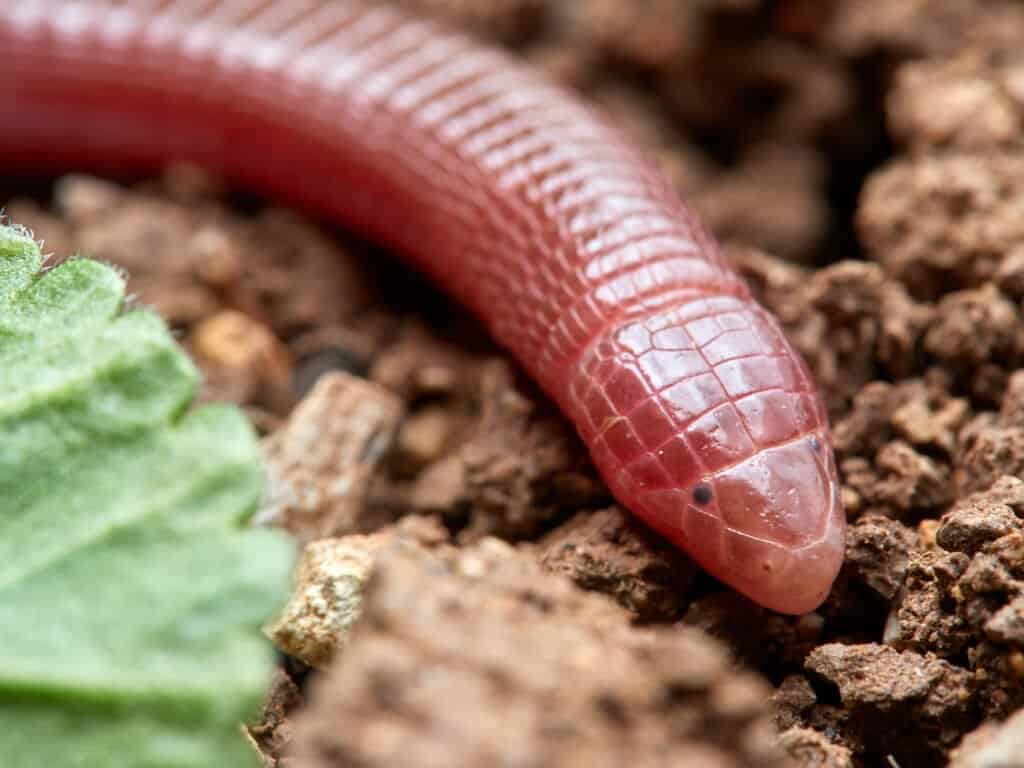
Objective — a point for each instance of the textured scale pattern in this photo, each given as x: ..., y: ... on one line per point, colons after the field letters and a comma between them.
x: 519, y: 200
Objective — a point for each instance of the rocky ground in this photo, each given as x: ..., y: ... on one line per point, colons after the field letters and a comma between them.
x: 864, y: 165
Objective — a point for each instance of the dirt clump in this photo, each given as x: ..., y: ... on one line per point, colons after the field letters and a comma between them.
x: 810, y: 748
x: 330, y: 580
x: 525, y: 665
x: 518, y: 470
x: 609, y: 551
x: 322, y: 460
x: 879, y: 685
x: 271, y: 732
x: 993, y: 745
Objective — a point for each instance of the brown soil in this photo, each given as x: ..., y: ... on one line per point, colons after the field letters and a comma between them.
x: 864, y: 164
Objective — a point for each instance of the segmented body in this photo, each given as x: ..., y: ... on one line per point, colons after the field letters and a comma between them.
x: 519, y: 200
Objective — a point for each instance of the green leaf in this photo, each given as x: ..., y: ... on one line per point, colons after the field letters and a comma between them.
x: 131, y: 592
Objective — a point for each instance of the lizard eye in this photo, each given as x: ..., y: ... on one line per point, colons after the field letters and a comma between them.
x: 702, y: 494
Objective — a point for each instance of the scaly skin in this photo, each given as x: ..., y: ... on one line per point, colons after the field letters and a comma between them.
x: 516, y: 198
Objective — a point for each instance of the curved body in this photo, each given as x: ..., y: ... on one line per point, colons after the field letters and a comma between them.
x: 517, y: 199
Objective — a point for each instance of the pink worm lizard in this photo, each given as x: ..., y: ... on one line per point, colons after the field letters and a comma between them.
x: 519, y: 200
